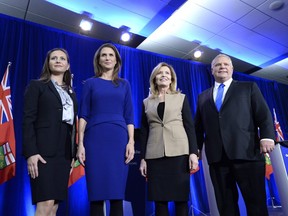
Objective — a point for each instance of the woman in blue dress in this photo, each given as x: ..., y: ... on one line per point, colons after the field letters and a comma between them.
x: 106, y: 132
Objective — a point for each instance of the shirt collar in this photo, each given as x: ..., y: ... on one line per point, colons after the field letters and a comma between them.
x: 226, y: 83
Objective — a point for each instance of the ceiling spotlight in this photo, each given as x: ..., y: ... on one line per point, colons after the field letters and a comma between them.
x: 86, y: 25
x: 125, y: 33
x: 126, y: 36
x: 197, y: 54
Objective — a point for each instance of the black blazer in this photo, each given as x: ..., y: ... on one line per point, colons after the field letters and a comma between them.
x: 42, y: 119
x: 235, y: 126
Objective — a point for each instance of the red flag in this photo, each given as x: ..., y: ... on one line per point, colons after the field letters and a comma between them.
x: 194, y: 171
x: 279, y: 137
x: 279, y: 133
x: 269, y: 168
x: 78, y: 170
x: 7, y: 137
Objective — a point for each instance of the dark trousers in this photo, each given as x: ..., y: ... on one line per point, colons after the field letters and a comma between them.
x: 161, y: 208
x: 250, y: 178
x: 116, y: 208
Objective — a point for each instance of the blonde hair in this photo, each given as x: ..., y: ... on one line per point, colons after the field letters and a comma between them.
x: 154, y: 91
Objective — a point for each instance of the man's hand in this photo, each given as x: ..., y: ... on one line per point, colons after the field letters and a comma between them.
x: 266, y: 146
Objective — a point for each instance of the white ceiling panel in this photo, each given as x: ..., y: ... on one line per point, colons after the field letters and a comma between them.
x: 253, y: 19
x: 155, y: 47
x: 133, y: 6
x: 234, y: 49
x: 172, y: 42
x: 254, y: 3
x: 201, y: 17
x: 283, y: 63
x: 280, y: 15
x: 275, y: 30
x: 175, y: 27
x: 178, y: 44
x: 273, y: 72
x: 230, y: 9
x: 252, y: 40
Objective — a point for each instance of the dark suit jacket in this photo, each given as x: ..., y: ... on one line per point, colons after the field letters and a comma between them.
x: 235, y: 127
x: 42, y: 119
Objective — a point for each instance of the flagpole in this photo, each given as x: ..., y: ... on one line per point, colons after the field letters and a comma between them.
x: 280, y: 175
x: 272, y: 195
x: 279, y: 168
x: 9, y: 64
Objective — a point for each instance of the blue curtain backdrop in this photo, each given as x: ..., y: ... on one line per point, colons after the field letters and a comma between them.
x: 25, y: 44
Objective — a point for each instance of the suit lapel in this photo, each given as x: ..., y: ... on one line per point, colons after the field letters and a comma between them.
x: 229, y: 93
x: 54, y: 90
x: 210, y: 96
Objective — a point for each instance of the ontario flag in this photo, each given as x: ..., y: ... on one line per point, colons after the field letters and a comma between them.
x: 78, y: 170
x: 269, y: 168
x: 7, y: 138
x: 279, y: 137
x: 279, y: 133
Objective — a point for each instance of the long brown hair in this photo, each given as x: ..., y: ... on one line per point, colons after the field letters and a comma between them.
x: 46, y: 72
x: 98, y: 70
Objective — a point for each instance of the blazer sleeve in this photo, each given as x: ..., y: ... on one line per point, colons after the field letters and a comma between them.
x: 144, y: 132
x: 199, y: 127
x: 31, y: 97
x: 262, y: 114
x: 189, y: 126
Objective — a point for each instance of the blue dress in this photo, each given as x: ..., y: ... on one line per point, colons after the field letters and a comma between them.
x: 108, y: 110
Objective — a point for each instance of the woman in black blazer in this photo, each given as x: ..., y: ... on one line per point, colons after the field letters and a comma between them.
x: 50, y: 108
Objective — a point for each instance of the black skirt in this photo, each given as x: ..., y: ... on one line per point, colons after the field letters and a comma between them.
x: 52, y: 182
x: 168, y: 179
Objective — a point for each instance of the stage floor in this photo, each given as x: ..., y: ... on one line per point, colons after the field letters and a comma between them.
x: 272, y: 212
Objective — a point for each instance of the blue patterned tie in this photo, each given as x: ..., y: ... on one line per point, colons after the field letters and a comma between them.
x: 218, y: 100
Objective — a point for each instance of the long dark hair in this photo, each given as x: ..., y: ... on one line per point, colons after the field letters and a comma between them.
x: 98, y: 70
x: 46, y: 72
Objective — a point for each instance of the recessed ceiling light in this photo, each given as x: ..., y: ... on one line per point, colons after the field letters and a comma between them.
x: 276, y: 5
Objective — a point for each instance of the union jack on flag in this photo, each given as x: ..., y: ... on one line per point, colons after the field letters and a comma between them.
x: 279, y: 137
x: 7, y: 137
x: 279, y: 133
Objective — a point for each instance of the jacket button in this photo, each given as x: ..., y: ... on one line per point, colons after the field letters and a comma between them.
x: 162, y: 125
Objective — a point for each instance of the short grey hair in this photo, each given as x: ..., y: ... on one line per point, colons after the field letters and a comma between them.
x: 221, y: 55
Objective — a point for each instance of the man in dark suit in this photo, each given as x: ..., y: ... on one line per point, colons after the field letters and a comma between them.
x: 237, y: 128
